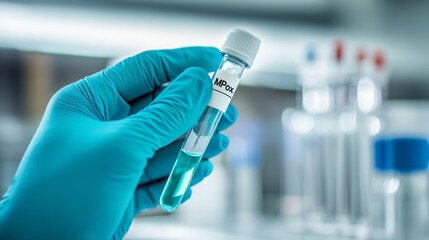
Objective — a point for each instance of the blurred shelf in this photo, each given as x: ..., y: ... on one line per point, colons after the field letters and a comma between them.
x: 112, y: 31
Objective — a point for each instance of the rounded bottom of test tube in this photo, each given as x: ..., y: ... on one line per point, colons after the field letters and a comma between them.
x: 167, y: 207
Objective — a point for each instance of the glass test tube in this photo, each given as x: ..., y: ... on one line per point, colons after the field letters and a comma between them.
x: 239, y: 51
x: 402, y: 208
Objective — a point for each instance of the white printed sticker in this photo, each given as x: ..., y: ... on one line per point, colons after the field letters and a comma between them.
x: 224, y: 86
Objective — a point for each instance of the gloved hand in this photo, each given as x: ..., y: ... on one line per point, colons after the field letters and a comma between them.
x: 103, y: 136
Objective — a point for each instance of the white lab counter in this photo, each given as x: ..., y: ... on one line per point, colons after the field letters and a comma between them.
x: 176, y: 227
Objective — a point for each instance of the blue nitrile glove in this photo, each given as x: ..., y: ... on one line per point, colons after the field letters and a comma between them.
x: 104, y: 147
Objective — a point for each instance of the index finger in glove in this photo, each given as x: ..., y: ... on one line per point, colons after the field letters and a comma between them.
x: 142, y: 73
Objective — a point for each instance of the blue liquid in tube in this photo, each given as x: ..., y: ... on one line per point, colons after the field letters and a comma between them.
x: 179, y: 180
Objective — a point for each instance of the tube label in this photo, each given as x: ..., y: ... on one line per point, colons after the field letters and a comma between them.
x: 224, y: 86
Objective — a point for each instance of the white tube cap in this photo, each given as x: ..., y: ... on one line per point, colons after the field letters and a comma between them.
x: 242, y: 45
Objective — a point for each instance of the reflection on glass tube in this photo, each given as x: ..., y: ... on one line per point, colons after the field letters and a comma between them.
x: 366, y: 95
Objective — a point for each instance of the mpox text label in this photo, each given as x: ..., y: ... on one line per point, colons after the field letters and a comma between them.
x: 224, y: 86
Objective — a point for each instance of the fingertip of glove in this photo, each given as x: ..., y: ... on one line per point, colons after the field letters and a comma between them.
x: 216, y: 52
x: 224, y: 141
x: 200, y: 79
x: 197, y: 71
x: 212, y: 56
x: 207, y: 168
x: 231, y: 114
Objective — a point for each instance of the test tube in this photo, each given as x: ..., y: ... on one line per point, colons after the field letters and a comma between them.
x: 384, y: 184
x: 239, y: 51
x: 405, y: 192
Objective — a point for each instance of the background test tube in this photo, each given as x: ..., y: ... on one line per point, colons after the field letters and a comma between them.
x: 403, y: 210
x: 239, y: 51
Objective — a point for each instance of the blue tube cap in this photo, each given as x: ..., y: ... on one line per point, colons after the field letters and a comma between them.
x: 401, y: 154
x: 383, y: 161
x: 410, y: 154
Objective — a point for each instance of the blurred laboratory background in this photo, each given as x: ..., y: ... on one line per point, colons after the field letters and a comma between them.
x: 334, y: 107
